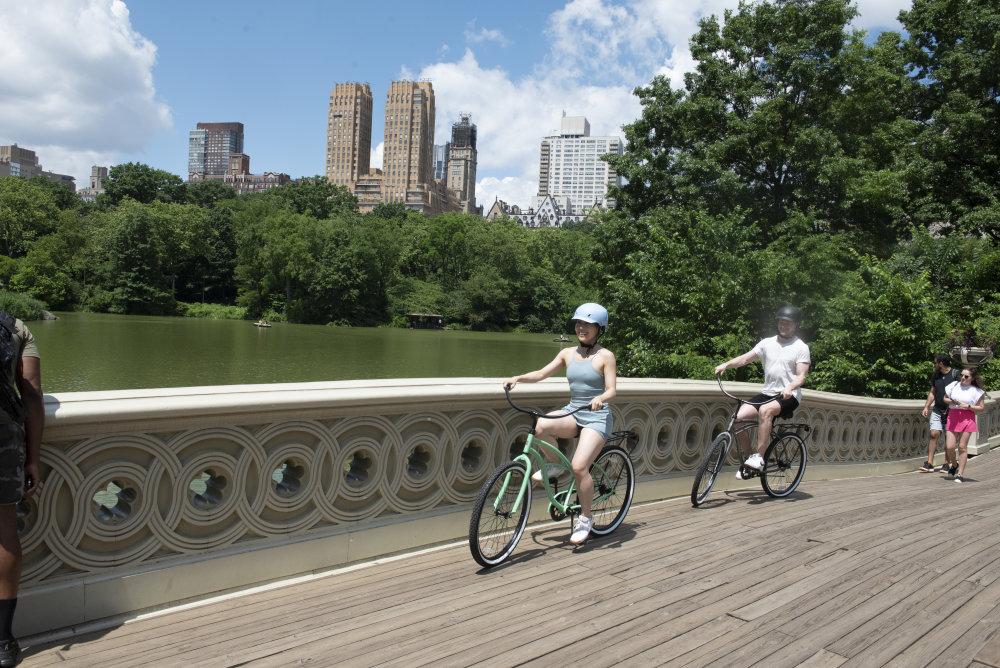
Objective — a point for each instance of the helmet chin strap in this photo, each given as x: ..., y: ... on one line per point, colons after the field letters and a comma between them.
x: 589, y: 347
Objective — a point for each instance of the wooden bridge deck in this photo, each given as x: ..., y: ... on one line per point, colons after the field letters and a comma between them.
x: 895, y: 570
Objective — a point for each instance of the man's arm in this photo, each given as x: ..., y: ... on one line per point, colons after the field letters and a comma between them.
x: 927, y: 404
x: 742, y: 360
x: 29, y: 383
x: 801, y: 369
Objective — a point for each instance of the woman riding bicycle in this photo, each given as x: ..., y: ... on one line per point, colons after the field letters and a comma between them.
x: 591, y: 370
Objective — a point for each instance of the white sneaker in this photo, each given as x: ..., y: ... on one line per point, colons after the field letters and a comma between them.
x: 551, y: 471
x: 739, y: 474
x: 581, y: 530
x: 755, y: 462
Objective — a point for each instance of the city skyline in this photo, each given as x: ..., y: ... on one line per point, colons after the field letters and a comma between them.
x: 104, y: 82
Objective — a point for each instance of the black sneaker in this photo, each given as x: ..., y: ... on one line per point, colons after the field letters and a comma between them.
x: 10, y: 653
x: 953, y: 470
x: 958, y: 478
x: 926, y: 466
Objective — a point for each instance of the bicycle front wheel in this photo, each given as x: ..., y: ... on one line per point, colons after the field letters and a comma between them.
x: 784, y: 465
x: 614, y: 485
x: 496, y: 525
x: 704, y: 480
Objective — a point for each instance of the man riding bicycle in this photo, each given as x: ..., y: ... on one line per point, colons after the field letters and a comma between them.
x: 786, y: 362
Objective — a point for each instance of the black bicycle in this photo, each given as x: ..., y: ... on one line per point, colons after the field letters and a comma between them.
x: 784, y: 460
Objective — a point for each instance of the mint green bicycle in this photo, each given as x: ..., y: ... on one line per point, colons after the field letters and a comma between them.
x: 500, y: 513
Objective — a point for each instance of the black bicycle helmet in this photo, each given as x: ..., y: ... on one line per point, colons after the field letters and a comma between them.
x: 789, y: 313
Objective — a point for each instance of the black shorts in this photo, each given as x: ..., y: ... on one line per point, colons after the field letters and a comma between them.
x: 788, y: 406
x: 11, y: 462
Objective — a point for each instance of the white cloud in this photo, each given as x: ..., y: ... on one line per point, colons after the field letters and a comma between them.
x: 510, y: 189
x: 98, y: 98
x: 484, y: 35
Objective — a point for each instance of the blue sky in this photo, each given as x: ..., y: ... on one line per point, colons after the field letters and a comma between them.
x: 103, y: 82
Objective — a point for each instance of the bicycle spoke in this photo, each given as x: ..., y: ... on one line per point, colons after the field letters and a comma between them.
x: 784, y: 465
x: 499, y: 515
x: 710, y: 467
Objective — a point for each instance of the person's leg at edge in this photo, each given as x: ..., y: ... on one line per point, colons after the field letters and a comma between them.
x: 949, y: 450
x: 10, y: 570
x: 587, y: 449
x: 932, y: 445
x: 963, y: 451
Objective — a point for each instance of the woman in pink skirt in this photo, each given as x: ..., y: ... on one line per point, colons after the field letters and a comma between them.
x: 965, y: 398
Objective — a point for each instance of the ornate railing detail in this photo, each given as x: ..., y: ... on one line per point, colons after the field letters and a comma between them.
x: 137, y: 480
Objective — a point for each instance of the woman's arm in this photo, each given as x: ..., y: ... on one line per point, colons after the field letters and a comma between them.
x: 541, y: 374
x: 978, y: 407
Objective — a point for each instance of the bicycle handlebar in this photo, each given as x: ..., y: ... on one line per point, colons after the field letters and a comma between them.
x: 718, y: 377
x: 535, y: 413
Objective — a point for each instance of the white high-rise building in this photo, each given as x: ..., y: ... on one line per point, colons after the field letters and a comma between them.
x: 571, y: 170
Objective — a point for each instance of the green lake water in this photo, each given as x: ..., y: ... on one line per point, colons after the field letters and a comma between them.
x: 87, y: 351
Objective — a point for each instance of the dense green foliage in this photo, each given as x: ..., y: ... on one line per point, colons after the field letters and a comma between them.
x: 21, y: 306
x: 300, y: 252
x: 800, y: 163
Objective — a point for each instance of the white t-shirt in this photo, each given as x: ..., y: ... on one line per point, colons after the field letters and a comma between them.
x: 963, y: 395
x: 779, y: 360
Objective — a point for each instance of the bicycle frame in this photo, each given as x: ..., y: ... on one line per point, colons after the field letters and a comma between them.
x: 737, y: 427
x: 530, y: 453
x: 531, y: 456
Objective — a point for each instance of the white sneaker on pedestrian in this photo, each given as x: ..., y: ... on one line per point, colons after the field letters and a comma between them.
x: 755, y: 462
x: 581, y: 530
x: 551, y: 471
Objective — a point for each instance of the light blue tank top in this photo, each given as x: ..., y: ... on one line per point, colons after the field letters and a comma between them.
x: 585, y: 383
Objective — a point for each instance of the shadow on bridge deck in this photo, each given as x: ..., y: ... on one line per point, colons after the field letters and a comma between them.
x: 896, y: 569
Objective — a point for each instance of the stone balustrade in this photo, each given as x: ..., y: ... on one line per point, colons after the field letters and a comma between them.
x: 152, y: 498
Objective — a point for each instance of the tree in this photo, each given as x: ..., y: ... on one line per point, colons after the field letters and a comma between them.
x: 142, y: 183
x: 696, y: 291
x: 772, y: 122
x: 313, y: 196
x: 955, y: 161
x: 50, y: 270
x: 206, y: 193
x: 59, y: 193
x: 129, y: 276
x: 878, y: 335
x: 26, y: 212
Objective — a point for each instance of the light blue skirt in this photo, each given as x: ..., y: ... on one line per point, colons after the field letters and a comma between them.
x: 600, y: 421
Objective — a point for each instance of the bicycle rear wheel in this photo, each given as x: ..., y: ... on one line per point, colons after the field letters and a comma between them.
x: 704, y: 480
x: 496, y: 526
x: 614, y: 485
x: 784, y: 465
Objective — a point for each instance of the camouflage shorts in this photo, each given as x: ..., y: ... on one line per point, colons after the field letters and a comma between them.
x: 11, y: 462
